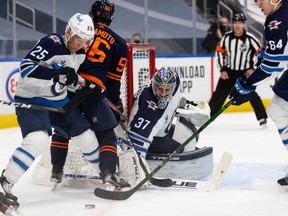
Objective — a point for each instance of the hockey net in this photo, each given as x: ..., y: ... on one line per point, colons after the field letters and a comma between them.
x: 140, y: 68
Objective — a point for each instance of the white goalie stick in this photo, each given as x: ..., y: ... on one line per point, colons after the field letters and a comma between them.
x: 213, y: 182
x: 196, y: 185
x: 123, y: 195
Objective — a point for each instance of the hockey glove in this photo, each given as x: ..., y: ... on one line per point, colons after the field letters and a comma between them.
x: 241, y: 92
x: 65, y: 76
x: 80, y: 84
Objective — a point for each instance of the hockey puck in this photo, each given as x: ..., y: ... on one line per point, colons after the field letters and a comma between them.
x: 89, y: 206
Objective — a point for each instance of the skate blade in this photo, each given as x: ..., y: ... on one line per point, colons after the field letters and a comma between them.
x: 283, y: 188
x: 13, y: 212
x: 54, y: 186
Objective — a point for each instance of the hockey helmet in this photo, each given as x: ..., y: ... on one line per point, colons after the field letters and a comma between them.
x: 163, y: 85
x: 81, y: 25
x: 239, y: 17
x: 102, y: 9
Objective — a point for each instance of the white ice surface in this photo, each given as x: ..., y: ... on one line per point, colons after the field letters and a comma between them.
x: 248, y: 189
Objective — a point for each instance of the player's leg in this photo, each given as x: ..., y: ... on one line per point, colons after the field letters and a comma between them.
x: 103, y: 122
x: 75, y: 125
x: 219, y: 95
x: 259, y: 109
x: 58, y: 151
x: 278, y: 112
x: 35, y: 128
x: 177, y: 135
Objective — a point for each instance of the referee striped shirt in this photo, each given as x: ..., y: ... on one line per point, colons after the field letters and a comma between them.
x: 237, y: 53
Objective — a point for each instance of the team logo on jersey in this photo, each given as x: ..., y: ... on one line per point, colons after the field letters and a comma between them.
x: 274, y: 25
x: 243, y: 47
x: 55, y: 39
x: 152, y: 105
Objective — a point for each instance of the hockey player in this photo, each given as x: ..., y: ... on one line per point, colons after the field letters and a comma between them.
x: 274, y: 61
x: 150, y: 123
x: 105, y: 62
x: 160, y: 121
x: 45, y: 73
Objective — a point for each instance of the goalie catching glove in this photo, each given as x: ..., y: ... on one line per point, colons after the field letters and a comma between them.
x: 196, y: 112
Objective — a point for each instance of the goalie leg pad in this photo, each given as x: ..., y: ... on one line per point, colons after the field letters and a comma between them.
x: 130, y: 168
x: 88, y: 145
x: 183, y: 130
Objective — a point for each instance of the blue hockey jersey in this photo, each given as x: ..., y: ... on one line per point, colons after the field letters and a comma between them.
x: 106, y: 61
x: 275, y: 56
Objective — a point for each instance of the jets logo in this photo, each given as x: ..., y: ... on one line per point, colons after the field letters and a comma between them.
x: 152, y: 105
x: 55, y: 39
x: 273, y: 25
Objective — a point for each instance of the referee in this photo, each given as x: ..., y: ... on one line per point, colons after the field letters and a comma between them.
x: 236, y: 55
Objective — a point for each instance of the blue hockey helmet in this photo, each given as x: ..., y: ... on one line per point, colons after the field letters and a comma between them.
x: 163, y: 85
x: 102, y: 9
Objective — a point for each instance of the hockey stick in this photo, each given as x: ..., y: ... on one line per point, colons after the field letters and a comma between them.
x: 76, y: 100
x: 32, y: 106
x: 158, y: 182
x: 123, y: 195
x: 196, y: 185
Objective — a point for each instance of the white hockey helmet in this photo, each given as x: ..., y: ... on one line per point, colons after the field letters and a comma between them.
x: 81, y: 25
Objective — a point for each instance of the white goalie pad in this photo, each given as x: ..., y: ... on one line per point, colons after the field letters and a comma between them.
x: 130, y: 168
x: 194, y: 165
x: 197, y: 115
x: 181, y: 133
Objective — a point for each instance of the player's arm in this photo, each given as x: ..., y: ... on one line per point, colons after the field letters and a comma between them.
x: 115, y: 73
x: 221, y: 54
x: 31, y: 66
x: 274, y: 60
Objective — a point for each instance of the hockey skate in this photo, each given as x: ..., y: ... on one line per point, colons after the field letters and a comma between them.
x: 7, y: 188
x: 8, y: 201
x: 56, y: 174
x: 263, y: 123
x: 283, y: 182
x: 112, y: 182
x: 6, y: 206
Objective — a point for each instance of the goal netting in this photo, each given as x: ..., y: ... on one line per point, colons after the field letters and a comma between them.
x: 140, y: 68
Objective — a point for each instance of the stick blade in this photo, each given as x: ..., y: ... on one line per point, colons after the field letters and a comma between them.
x: 113, y: 195
x: 162, y: 182
x: 221, y: 169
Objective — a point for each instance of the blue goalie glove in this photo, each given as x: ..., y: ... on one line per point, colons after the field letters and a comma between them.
x: 241, y: 92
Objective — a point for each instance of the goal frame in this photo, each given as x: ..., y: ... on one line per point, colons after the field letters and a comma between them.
x: 130, y: 69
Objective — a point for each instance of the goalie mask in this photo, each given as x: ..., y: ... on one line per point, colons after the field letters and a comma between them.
x: 163, y: 85
x: 102, y: 9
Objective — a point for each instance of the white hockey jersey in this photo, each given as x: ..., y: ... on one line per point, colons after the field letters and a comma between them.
x: 147, y: 121
x: 36, y: 72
